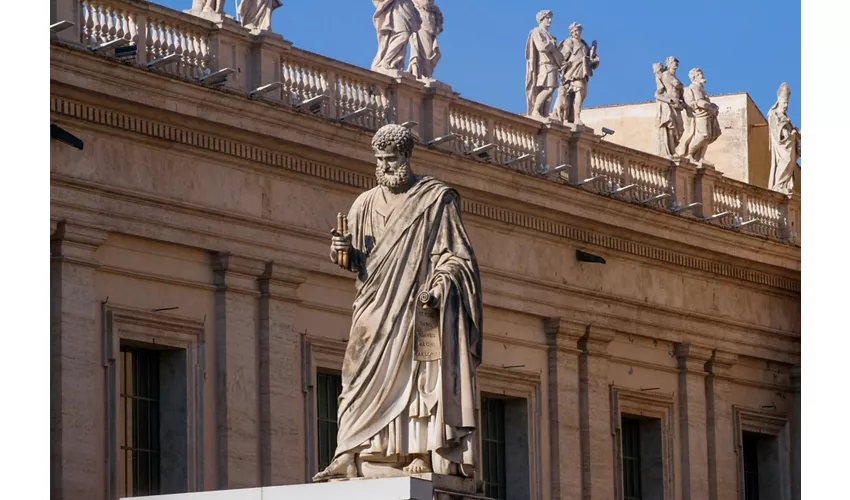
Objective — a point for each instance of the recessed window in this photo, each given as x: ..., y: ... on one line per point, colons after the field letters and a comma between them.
x: 329, y: 387
x: 493, y: 447
x: 631, y: 459
x: 140, y: 418
x: 760, y: 457
x: 642, y: 458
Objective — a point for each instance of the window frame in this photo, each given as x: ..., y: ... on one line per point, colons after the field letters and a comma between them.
x: 515, y: 383
x: 144, y: 328
x: 319, y: 354
x: 769, y: 423
x: 636, y: 403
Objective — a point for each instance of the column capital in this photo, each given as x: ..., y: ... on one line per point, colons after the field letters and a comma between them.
x: 595, y: 340
x: 75, y: 242
x: 563, y: 333
x: 237, y: 272
x: 281, y: 280
x: 691, y: 357
x: 720, y: 363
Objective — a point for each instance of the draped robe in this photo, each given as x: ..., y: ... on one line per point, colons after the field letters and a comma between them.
x: 784, y: 151
x: 392, y: 405
x: 395, y: 21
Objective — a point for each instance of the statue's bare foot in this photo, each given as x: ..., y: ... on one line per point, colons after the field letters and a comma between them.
x: 419, y: 465
x: 342, y: 467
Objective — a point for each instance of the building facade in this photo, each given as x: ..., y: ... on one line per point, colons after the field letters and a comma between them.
x: 198, y: 327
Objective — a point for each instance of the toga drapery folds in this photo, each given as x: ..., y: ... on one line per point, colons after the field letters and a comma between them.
x: 419, y: 245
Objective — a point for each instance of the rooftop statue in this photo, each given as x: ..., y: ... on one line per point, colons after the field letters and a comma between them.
x: 257, y: 14
x: 396, y: 21
x: 700, y: 121
x: 542, y: 61
x: 424, y: 50
x: 408, y: 396
x: 216, y: 6
x: 784, y: 144
x: 579, y: 61
x: 669, y: 102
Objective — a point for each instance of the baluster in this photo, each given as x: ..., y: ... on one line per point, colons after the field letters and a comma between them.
x: 96, y: 15
x: 183, y: 68
x: 193, y: 53
x: 109, y: 30
x: 156, y: 39
x: 132, y: 29
x: 120, y: 23
x: 88, y: 24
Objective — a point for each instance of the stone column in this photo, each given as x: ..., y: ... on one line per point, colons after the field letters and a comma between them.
x: 693, y: 451
x: 562, y: 337
x: 230, y: 47
x: 722, y: 466
x: 237, y: 370
x: 795, y: 432
x: 77, y: 411
x: 281, y: 401
x: 582, y: 141
x: 597, y: 454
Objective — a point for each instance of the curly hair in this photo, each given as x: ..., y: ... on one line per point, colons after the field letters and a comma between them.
x: 692, y: 74
x: 396, y: 135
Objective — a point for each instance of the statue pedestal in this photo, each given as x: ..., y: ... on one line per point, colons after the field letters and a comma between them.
x: 418, y: 487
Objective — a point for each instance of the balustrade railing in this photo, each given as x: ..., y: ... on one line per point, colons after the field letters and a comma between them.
x: 155, y: 33
x: 336, y: 90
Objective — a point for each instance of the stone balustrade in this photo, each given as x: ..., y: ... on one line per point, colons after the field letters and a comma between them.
x: 334, y: 90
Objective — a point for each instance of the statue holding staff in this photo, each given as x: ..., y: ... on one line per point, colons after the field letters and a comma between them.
x: 408, y: 378
x: 700, y: 120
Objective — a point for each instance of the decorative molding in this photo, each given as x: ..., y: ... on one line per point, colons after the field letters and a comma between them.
x: 157, y: 329
x: 74, y: 242
x: 651, y: 405
x: 281, y: 281
x: 523, y: 384
x: 691, y: 357
x: 721, y: 363
x: 124, y: 121
x: 563, y: 334
x: 762, y: 422
x: 595, y: 341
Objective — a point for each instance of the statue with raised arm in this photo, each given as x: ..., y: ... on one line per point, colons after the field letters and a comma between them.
x: 424, y: 50
x: 784, y: 144
x: 395, y: 22
x: 668, y: 106
x: 542, y: 61
x: 579, y: 61
x: 408, y: 396
x: 257, y: 14
x: 701, y: 127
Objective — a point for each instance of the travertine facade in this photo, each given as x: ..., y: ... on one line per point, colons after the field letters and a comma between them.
x: 196, y: 220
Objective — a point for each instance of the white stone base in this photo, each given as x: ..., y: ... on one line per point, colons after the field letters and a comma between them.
x: 419, y: 487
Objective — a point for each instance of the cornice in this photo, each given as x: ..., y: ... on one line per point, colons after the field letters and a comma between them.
x: 277, y: 159
x: 259, y: 119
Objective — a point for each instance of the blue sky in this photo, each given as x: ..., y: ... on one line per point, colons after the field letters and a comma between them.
x: 741, y: 45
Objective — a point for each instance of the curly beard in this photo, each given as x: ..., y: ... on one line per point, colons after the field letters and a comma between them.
x: 396, y: 181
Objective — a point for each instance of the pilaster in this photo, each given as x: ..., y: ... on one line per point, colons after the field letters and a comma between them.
x: 704, y: 180
x: 562, y: 337
x: 794, y: 421
x: 407, y: 100
x: 236, y: 369
x: 281, y: 401
x: 435, y: 111
x: 597, y: 475
x: 77, y: 447
x: 722, y: 473
x: 581, y: 143
x: 554, y: 140
x: 693, y: 452
x: 230, y: 46
x: 66, y: 10
x: 266, y: 64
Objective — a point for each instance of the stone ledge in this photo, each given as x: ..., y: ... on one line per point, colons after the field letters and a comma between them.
x: 418, y: 487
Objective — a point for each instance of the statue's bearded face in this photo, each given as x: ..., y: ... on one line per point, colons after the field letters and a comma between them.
x: 392, y: 169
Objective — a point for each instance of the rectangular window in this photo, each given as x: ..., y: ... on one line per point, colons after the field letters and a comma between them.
x: 493, y: 447
x: 140, y: 421
x: 329, y: 387
x: 631, y: 459
x: 751, y: 465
